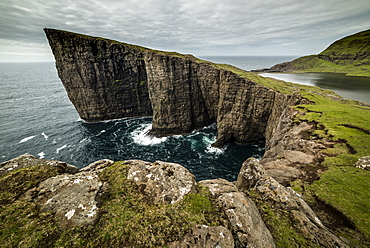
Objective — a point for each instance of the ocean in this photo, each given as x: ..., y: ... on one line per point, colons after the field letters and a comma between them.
x: 37, y: 117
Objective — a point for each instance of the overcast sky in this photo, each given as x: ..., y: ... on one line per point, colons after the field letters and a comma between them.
x: 198, y: 27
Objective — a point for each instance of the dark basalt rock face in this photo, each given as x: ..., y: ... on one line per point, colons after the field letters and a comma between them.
x: 106, y: 79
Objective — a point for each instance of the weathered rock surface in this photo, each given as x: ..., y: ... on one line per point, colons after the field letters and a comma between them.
x: 98, y: 166
x: 165, y: 183
x: 73, y: 198
x: 363, y: 163
x: 307, y: 221
x: 107, y: 79
x: 282, y: 198
x: 245, y: 221
x: 250, y: 173
x: 202, y: 236
x: 288, y: 150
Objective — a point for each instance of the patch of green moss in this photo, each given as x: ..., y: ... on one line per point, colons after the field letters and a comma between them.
x: 13, y: 184
x: 142, y: 83
x: 347, y: 189
x: 21, y: 225
x: 132, y: 219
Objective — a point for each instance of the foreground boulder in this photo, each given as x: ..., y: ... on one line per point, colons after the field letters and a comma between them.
x: 244, y: 218
x: 202, y: 236
x: 165, y: 183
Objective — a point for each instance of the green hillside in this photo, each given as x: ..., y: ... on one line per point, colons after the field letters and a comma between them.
x: 350, y: 55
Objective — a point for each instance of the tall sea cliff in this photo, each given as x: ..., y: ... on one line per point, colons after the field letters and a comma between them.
x: 106, y: 80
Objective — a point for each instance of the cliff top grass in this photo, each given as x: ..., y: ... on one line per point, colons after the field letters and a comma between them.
x: 356, y: 45
x: 313, y: 63
x: 342, y: 186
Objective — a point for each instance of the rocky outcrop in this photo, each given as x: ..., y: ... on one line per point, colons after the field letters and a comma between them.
x: 202, y: 236
x: 244, y: 218
x: 363, y: 163
x: 78, y: 203
x: 106, y: 79
x: 73, y: 198
x: 165, y: 183
x: 288, y: 150
x: 285, y: 200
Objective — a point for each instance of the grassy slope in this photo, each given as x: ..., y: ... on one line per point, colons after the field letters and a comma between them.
x: 350, y: 55
x: 314, y: 64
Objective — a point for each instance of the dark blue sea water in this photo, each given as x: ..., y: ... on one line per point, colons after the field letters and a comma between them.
x: 37, y: 117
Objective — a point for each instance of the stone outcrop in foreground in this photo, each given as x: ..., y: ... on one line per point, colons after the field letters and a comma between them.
x: 107, y: 79
x: 68, y: 205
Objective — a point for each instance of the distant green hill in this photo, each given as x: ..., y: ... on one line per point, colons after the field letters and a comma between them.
x: 350, y: 55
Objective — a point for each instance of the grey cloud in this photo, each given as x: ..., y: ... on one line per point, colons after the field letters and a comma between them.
x: 204, y: 26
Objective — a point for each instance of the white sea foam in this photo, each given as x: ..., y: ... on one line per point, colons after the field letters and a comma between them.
x: 61, y: 148
x: 41, y: 155
x: 27, y: 139
x: 85, y: 139
x: 141, y: 137
x: 101, y: 132
x: 45, y: 136
x: 215, y: 150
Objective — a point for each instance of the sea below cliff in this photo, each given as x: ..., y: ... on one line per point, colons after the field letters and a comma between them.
x: 36, y: 117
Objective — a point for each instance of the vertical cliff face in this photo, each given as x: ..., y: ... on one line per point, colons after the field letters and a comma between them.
x: 106, y: 80
x: 175, y: 93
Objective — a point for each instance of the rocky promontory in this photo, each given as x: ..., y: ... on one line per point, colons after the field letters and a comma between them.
x: 134, y: 203
x: 106, y: 80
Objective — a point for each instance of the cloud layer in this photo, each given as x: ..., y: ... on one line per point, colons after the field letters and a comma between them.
x: 203, y: 27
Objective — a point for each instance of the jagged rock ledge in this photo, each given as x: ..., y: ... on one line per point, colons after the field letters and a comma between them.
x: 64, y: 205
